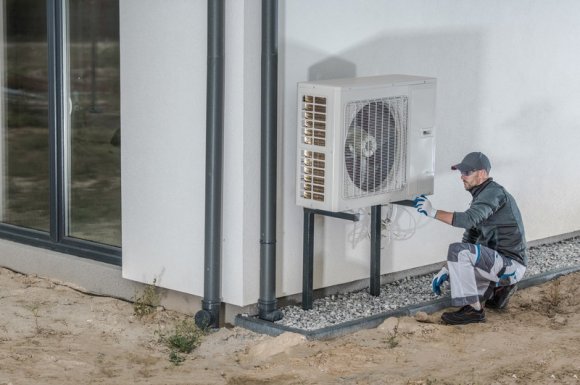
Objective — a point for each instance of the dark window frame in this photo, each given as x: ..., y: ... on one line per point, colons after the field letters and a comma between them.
x: 56, y: 239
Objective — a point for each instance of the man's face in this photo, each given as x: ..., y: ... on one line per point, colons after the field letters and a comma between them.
x: 473, y: 178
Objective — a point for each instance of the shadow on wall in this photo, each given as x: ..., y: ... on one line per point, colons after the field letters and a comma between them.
x: 331, y: 68
x: 455, y: 58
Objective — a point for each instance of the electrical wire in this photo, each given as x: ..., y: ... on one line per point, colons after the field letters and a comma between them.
x: 360, y: 229
x: 397, y: 223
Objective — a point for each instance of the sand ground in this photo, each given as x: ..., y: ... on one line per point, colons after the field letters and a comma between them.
x: 52, y: 334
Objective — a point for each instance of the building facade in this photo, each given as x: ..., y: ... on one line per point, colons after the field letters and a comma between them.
x: 103, y: 133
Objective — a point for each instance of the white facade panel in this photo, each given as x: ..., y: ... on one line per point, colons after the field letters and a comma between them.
x: 507, y: 84
x: 241, y: 210
x: 164, y: 63
x: 507, y: 80
x: 163, y: 78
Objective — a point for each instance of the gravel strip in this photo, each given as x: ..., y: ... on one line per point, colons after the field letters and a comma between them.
x: 336, y: 309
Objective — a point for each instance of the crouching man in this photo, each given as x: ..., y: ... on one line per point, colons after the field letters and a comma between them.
x: 484, y: 268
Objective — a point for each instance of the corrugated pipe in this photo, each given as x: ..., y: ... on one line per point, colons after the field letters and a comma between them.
x: 209, y: 316
x: 269, y: 104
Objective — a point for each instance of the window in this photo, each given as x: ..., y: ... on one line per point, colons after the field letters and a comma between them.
x: 93, y: 131
x: 24, y: 130
x: 60, y: 125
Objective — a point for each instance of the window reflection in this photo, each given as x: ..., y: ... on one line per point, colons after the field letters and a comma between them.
x: 94, y: 178
x: 24, y: 151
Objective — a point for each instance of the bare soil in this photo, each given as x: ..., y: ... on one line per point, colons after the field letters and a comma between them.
x: 52, y: 334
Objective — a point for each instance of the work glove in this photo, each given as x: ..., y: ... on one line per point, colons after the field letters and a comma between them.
x: 438, y: 280
x: 423, y: 206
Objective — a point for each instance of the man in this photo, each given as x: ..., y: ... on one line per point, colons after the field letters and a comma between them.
x: 492, y: 256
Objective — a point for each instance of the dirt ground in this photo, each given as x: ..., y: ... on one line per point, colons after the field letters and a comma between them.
x: 52, y: 334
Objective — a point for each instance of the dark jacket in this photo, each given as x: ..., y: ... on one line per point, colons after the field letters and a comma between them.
x: 494, y: 220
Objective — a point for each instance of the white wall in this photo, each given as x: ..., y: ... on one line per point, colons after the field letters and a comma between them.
x: 163, y: 76
x: 163, y: 91
x: 508, y: 85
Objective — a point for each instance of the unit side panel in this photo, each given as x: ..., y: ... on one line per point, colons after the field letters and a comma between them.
x: 369, y: 82
x: 351, y: 94
x: 422, y: 143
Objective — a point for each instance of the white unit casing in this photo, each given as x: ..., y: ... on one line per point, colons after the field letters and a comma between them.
x: 365, y: 141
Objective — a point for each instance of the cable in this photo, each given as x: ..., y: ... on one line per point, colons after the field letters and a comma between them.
x: 360, y: 229
x: 397, y: 223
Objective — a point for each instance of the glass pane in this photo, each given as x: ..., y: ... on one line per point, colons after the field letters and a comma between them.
x: 94, y: 165
x: 24, y: 150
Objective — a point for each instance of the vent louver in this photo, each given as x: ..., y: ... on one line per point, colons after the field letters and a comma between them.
x: 313, y: 134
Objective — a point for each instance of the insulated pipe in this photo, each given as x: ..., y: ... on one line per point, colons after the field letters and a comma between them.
x: 209, y: 316
x: 268, y: 175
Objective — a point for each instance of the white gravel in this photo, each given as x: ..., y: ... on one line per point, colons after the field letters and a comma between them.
x: 337, y: 309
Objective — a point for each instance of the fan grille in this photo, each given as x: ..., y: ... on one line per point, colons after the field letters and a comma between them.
x: 375, y: 146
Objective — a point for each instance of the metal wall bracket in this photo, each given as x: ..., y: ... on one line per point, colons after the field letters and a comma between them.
x: 308, y: 251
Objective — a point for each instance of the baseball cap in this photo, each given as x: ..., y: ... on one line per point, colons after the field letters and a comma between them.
x: 472, y: 162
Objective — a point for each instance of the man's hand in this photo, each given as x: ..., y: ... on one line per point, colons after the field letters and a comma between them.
x: 423, y: 206
x: 438, y: 280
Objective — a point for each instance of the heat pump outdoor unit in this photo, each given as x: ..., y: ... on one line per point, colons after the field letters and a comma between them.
x: 365, y: 141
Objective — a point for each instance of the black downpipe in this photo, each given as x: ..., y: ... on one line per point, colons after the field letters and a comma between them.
x: 209, y: 316
x: 269, y: 105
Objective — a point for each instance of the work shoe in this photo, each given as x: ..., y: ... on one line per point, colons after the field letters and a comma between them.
x: 465, y: 315
x: 501, y: 296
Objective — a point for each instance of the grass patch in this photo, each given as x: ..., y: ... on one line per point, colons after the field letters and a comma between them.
x: 176, y: 358
x: 554, y: 294
x: 183, y: 340
x: 392, y: 338
x: 146, y: 302
x: 34, y: 308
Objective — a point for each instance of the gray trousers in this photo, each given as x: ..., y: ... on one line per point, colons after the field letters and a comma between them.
x: 475, y: 270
